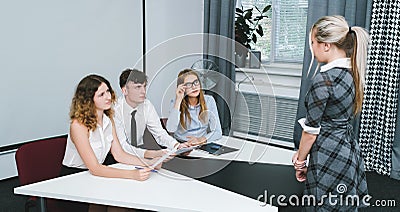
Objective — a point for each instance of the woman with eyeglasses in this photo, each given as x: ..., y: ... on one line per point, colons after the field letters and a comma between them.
x: 193, y: 116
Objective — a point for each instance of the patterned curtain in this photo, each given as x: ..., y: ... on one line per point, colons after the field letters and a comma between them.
x: 378, y: 116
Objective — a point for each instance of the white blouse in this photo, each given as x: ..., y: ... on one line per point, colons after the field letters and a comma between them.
x: 100, y: 140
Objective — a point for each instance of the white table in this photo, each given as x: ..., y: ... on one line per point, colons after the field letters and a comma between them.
x: 164, y: 191
x: 250, y: 152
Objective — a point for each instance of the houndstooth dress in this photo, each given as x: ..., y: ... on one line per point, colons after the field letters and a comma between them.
x: 335, y: 164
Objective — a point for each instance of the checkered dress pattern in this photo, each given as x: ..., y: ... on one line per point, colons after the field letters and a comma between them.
x: 335, y: 157
x: 378, y: 116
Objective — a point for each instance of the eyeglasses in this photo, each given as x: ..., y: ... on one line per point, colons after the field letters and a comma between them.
x: 191, y: 84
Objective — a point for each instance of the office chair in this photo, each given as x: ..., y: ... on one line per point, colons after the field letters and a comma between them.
x: 164, y: 123
x: 38, y: 161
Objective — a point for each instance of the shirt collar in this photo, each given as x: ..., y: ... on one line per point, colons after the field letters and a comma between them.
x: 194, y: 107
x: 338, y: 63
x: 106, y: 120
x: 127, y: 106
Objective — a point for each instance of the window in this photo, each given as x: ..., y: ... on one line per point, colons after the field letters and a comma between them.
x: 284, y: 29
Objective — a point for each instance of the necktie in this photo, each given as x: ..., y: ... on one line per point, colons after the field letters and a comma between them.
x: 133, y: 129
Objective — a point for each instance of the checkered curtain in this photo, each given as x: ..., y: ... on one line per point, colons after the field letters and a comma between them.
x: 378, y: 116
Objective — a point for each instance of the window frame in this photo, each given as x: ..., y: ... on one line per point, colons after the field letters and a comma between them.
x: 274, y: 36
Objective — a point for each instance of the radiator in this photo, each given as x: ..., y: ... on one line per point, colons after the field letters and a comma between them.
x: 264, y: 116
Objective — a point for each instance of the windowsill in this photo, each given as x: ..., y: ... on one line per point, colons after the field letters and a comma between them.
x: 283, y: 69
x: 281, y: 79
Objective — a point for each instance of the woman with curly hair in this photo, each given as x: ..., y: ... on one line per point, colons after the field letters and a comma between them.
x: 193, y: 116
x: 92, y: 134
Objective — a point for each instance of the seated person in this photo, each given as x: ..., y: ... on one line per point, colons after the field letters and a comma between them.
x: 133, y: 85
x: 92, y: 136
x: 193, y: 116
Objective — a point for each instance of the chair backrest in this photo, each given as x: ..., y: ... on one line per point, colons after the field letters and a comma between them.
x: 164, y: 123
x: 40, y: 160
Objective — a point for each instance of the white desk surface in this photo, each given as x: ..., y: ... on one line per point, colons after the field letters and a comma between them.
x: 162, y: 192
x: 165, y: 190
x: 250, y: 152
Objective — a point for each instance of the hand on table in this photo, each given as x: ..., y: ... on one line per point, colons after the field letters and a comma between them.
x: 141, y: 174
x: 195, y: 141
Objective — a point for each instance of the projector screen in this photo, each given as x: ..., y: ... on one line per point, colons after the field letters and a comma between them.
x: 48, y: 46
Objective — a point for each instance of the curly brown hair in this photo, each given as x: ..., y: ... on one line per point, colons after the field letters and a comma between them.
x: 82, y: 107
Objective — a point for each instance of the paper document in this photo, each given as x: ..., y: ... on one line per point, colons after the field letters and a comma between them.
x: 160, y: 160
x: 186, y: 149
x: 177, y: 152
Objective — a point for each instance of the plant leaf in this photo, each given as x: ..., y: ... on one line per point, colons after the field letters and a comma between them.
x: 238, y: 10
x: 260, y: 31
x: 266, y: 8
x: 254, y: 38
x: 248, y: 14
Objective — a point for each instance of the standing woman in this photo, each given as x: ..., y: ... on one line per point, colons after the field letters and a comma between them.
x: 193, y: 116
x: 335, y: 165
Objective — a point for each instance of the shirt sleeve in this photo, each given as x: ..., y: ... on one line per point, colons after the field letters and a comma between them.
x: 173, y: 118
x: 315, y: 103
x: 154, y: 125
x: 213, y: 121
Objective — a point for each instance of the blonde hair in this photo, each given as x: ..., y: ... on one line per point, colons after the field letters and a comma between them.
x: 82, y: 107
x: 353, y: 40
x: 184, y: 107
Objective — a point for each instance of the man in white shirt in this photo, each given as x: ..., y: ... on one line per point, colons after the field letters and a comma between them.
x: 133, y: 86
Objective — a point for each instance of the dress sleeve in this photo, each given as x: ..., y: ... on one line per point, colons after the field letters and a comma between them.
x: 315, y: 103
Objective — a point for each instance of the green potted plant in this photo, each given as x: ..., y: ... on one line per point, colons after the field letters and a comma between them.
x: 247, y: 29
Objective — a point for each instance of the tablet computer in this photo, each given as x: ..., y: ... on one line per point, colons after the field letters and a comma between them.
x: 216, y: 149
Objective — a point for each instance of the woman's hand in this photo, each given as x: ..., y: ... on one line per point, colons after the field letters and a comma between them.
x: 179, y: 95
x: 298, y: 164
x: 141, y: 174
x: 194, y: 141
x: 301, y: 174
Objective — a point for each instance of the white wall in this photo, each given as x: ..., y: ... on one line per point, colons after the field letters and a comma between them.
x: 47, y: 46
x: 171, y: 45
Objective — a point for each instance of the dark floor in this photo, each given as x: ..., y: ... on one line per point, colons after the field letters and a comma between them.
x: 9, y: 202
x: 384, y: 190
x: 381, y: 188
